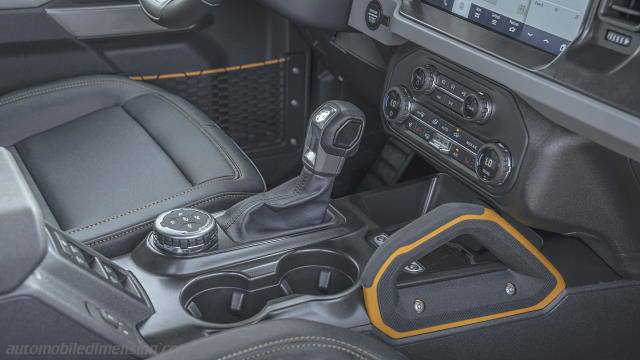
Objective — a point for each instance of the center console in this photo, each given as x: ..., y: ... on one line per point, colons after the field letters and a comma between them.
x: 395, y: 262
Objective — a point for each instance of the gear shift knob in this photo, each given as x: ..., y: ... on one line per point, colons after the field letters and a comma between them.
x: 334, y: 134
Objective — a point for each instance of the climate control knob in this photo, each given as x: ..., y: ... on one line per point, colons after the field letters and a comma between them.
x: 494, y: 164
x: 397, y: 104
x: 423, y: 78
x: 477, y: 108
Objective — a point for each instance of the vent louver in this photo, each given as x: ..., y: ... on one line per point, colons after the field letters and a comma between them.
x: 624, y: 13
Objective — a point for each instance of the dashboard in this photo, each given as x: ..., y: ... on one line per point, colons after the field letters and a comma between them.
x: 542, y: 130
x: 579, y: 79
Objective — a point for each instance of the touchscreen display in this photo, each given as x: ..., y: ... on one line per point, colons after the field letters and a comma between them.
x: 549, y: 25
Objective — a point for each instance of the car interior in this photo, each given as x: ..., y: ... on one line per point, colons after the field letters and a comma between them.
x: 320, y: 179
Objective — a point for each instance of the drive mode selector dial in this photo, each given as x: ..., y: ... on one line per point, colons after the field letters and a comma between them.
x: 185, y: 231
x: 397, y: 104
x: 494, y: 164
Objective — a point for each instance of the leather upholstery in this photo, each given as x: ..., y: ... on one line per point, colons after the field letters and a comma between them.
x: 107, y: 155
x: 283, y: 340
x: 299, y: 203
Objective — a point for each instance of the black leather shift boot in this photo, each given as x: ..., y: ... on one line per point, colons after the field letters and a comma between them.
x: 299, y: 203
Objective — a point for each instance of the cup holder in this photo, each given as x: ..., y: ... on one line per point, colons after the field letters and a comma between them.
x: 226, y: 298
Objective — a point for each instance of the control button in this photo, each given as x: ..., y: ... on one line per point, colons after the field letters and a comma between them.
x: 421, y: 112
x: 81, y: 260
x: 397, y: 104
x: 424, y: 79
x: 373, y: 15
x: 414, y: 268
x: 463, y: 157
x: 452, y: 87
x: 185, y: 231
x: 618, y: 38
x: 64, y: 245
x: 380, y: 239
x: 439, y: 97
x: 494, y: 164
x: 477, y: 108
x: 469, y: 142
x: 108, y: 318
x: 428, y: 134
x: 443, y: 81
x: 410, y: 125
x: 461, y: 91
x: 441, y: 143
x: 445, y: 128
x: 454, y: 104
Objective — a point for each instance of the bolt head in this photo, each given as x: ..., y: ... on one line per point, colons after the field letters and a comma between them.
x: 419, y: 306
x: 510, y: 289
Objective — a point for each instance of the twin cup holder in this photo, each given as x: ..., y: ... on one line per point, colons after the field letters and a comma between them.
x: 227, y: 298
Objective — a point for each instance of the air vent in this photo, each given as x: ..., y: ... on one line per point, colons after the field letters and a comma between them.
x: 624, y: 13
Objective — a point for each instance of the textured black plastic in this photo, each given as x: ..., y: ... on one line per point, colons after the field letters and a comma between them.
x: 248, y: 104
x: 307, y: 272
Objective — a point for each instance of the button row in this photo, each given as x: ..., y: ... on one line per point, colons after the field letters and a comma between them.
x: 444, y: 137
x: 453, y: 132
x: 452, y: 87
x: 98, y: 266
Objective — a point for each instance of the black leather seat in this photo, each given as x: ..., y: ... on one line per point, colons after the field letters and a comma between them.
x: 284, y: 340
x: 106, y: 155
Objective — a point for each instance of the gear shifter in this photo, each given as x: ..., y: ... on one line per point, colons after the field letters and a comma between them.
x: 334, y: 134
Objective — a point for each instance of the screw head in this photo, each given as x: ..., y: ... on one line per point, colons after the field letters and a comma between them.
x: 296, y: 71
x: 510, y: 289
x: 418, y: 306
x: 295, y: 103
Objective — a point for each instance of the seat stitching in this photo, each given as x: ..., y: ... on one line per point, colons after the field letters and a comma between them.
x: 292, y: 339
x: 69, y: 85
x: 152, y: 204
x: 145, y: 224
x: 303, y: 346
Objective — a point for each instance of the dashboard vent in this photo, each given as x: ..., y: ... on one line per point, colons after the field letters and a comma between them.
x: 624, y: 13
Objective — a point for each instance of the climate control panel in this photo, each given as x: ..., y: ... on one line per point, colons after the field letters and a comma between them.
x: 469, y: 125
x: 490, y: 162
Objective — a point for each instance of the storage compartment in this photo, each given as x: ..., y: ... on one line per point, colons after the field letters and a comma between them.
x: 226, y: 298
x: 409, y: 201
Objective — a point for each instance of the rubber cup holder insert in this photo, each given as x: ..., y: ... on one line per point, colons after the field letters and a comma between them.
x: 227, y: 297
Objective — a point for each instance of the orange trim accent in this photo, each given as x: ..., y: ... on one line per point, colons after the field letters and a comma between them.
x: 170, y: 76
x: 371, y: 293
x: 208, y: 71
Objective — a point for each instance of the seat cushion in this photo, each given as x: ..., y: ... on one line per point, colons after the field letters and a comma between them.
x: 106, y: 155
x: 285, y: 340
